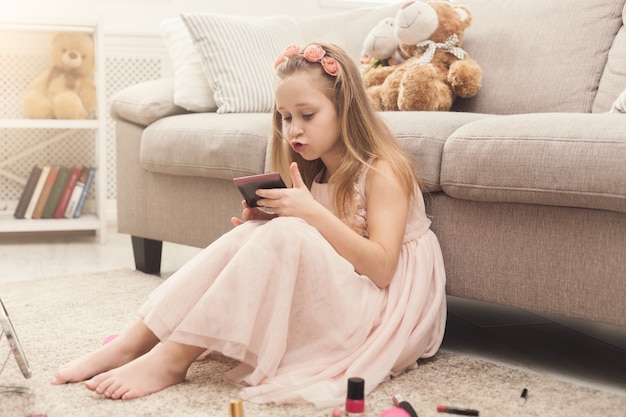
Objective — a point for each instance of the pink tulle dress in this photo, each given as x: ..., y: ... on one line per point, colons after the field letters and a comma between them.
x: 276, y: 296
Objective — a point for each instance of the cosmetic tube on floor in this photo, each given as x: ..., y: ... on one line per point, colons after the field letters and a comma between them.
x: 523, y: 396
x: 355, y: 399
x: 236, y: 408
x: 455, y: 410
x: 399, y: 402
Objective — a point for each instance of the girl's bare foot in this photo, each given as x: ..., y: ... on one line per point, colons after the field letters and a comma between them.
x: 129, y: 346
x: 165, y: 365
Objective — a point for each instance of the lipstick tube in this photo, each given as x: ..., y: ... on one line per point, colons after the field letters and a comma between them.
x: 455, y: 410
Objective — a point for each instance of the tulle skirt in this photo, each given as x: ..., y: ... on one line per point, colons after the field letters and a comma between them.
x: 276, y: 296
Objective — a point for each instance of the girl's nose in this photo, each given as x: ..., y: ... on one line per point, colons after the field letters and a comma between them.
x: 295, y: 130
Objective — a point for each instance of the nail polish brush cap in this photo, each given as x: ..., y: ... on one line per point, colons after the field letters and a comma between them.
x: 356, y: 388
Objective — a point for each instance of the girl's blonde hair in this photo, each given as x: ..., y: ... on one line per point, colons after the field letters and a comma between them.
x: 364, y: 134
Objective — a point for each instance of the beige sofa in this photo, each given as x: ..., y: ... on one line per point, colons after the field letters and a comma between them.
x: 525, y: 183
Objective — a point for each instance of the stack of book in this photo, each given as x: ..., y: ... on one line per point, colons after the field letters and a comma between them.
x: 55, y: 192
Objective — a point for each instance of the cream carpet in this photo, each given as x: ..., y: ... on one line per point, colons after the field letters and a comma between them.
x: 59, y: 319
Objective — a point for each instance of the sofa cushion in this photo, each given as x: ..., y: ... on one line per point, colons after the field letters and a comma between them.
x: 422, y: 135
x: 231, y: 145
x: 560, y: 159
x: 206, y: 145
x: 539, y: 55
x: 238, y: 54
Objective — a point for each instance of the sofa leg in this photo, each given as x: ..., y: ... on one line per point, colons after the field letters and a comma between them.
x: 147, y: 254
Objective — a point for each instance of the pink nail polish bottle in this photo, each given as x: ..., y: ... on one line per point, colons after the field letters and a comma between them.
x: 355, y: 400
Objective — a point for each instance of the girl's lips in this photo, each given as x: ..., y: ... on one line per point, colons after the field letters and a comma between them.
x: 297, y: 146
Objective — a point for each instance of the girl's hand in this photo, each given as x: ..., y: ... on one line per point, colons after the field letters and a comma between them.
x: 294, y: 202
x: 251, y: 213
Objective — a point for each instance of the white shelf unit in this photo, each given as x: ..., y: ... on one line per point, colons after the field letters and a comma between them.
x: 67, y: 138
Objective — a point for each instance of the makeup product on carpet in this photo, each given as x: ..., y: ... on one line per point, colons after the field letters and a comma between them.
x: 337, y: 412
x: 455, y: 410
x: 399, y: 402
x: 109, y: 339
x: 394, y: 412
x: 523, y: 396
x: 236, y: 408
x: 355, y: 400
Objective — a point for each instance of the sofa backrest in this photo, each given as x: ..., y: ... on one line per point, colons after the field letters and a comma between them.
x: 536, y: 55
x: 543, y: 55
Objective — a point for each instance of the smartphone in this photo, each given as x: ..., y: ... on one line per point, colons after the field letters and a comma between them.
x: 248, y: 185
x: 14, y: 342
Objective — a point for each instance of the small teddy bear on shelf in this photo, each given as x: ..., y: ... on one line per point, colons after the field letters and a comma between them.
x: 66, y: 90
x: 437, y: 71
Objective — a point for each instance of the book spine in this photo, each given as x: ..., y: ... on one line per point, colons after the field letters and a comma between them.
x: 77, y: 192
x: 67, y: 193
x: 45, y: 193
x: 55, y: 193
x: 27, y: 193
x: 37, y: 193
x: 83, y: 197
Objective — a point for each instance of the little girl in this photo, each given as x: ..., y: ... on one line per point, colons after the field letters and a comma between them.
x: 337, y: 276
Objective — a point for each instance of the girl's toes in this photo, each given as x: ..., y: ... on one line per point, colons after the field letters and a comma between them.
x: 118, y: 393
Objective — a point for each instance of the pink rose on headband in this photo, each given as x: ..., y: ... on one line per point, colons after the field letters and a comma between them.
x: 330, y: 65
x: 289, y: 52
x: 313, y: 53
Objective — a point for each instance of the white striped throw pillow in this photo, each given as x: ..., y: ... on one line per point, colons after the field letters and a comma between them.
x: 238, y: 55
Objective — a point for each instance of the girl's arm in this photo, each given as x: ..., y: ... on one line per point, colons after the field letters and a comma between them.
x: 387, y: 211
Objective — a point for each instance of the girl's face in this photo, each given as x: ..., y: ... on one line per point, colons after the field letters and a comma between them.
x: 310, y: 122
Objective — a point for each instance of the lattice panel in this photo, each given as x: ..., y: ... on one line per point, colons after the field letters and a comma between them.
x: 122, y: 72
x: 16, y: 72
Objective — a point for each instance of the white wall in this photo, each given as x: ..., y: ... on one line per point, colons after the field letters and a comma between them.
x: 144, y: 16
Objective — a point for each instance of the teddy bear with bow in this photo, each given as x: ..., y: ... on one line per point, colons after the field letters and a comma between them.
x: 66, y: 90
x: 436, y: 70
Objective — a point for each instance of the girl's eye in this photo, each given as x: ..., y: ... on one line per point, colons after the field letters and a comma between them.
x: 287, y: 119
x: 307, y: 116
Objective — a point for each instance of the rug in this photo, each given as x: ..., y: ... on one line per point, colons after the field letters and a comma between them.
x: 59, y: 319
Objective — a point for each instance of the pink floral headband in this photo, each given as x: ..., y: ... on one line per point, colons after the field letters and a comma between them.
x: 312, y: 53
